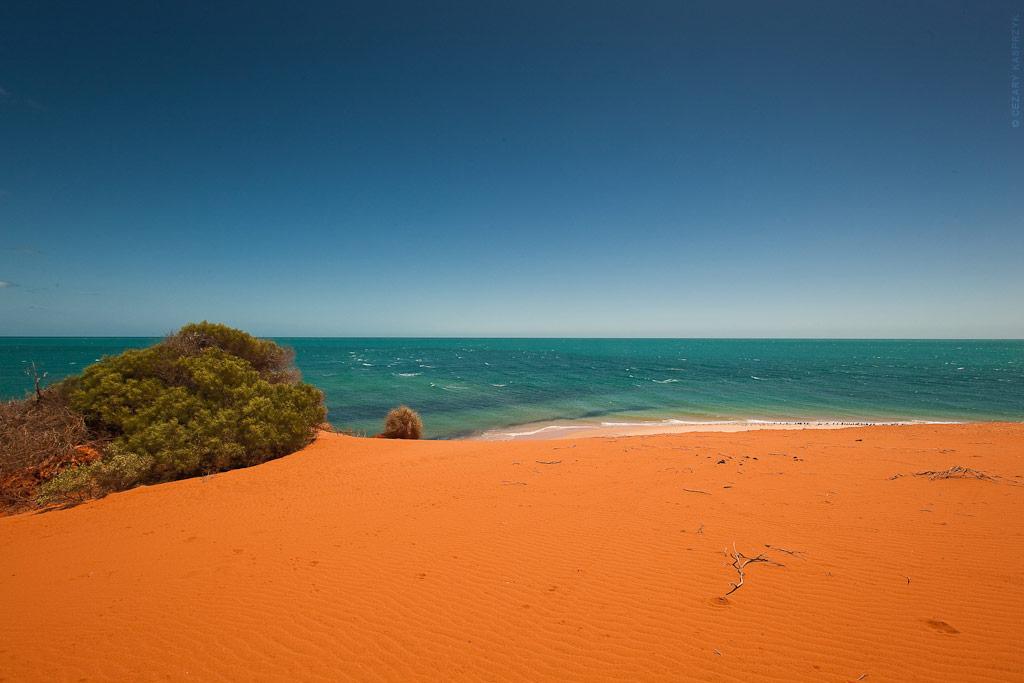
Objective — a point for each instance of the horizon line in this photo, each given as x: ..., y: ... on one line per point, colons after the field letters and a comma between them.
x: 525, y: 337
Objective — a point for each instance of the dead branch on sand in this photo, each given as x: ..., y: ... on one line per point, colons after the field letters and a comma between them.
x: 957, y: 472
x: 697, y: 491
x: 954, y: 472
x: 794, y: 553
x: 549, y: 462
x: 740, y: 563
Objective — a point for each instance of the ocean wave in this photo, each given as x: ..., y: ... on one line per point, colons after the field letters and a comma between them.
x: 664, y: 381
x: 409, y: 374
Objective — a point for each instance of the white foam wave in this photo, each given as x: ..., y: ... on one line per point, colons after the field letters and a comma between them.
x: 515, y: 435
x: 663, y: 423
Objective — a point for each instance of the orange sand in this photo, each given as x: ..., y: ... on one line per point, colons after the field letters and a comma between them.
x: 372, y: 559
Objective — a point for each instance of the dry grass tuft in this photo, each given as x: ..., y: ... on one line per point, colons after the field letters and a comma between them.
x: 402, y: 423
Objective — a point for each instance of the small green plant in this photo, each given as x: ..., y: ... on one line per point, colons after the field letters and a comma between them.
x: 115, y: 471
x: 402, y: 423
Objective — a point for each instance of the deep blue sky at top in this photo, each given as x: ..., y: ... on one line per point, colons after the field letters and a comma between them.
x: 477, y: 168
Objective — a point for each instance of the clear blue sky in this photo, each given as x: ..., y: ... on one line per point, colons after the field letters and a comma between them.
x: 478, y: 168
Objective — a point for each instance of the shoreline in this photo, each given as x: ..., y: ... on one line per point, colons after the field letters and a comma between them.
x: 549, y: 430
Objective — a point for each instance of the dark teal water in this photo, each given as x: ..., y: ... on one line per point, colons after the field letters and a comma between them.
x: 463, y: 386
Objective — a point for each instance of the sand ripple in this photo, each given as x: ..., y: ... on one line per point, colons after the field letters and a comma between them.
x: 378, y: 560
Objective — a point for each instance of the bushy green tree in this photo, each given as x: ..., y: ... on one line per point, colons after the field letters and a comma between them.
x: 206, y: 399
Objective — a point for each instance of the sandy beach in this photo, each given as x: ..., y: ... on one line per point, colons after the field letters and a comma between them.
x: 568, y: 559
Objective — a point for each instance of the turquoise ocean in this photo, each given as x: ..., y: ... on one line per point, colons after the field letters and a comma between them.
x: 468, y: 386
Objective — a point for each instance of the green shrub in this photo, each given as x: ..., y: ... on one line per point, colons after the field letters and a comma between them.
x: 115, y: 471
x: 402, y: 423
x: 209, y: 398
x: 274, y: 363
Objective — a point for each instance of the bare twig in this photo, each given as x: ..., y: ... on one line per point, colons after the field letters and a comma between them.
x: 794, y: 553
x: 36, y: 380
x: 549, y: 462
x: 697, y: 491
x: 740, y: 563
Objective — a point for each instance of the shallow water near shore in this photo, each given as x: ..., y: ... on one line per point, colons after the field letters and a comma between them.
x: 464, y: 387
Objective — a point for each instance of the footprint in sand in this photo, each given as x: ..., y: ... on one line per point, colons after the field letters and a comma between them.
x: 941, y: 626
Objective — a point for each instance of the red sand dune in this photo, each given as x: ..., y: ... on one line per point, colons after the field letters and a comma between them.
x: 372, y: 559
